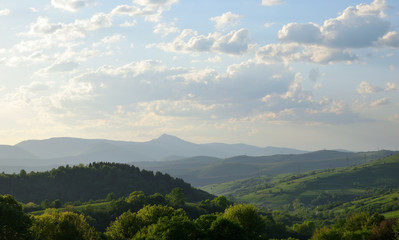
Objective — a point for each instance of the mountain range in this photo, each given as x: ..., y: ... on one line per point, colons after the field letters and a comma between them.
x: 35, y: 155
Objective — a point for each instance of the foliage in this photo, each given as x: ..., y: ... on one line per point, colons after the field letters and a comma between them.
x: 176, y: 197
x: 359, y: 226
x: 14, y: 223
x: 94, y: 181
x: 62, y: 226
x: 247, y: 216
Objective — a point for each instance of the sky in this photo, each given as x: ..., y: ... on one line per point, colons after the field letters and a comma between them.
x: 305, y: 74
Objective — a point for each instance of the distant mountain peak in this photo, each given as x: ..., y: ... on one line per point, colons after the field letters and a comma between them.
x: 166, y: 138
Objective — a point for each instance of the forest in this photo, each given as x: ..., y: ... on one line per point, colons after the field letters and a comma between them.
x: 74, y: 204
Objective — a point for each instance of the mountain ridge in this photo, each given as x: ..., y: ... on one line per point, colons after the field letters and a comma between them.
x: 69, y: 150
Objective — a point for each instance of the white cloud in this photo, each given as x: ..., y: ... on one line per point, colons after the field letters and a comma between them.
x: 267, y: 25
x: 391, y: 87
x: 151, y: 9
x: 165, y: 29
x: 355, y: 27
x: 128, y: 24
x: 308, y: 33
x: 367, y: 88
x: 272, y: 2
x: 112, y: 39
x: 382, y: 101
x: 71, y: 5
x: 61, y: 31
x: 391, y: 39
x: 234, y: 43
x: 227, y: 19
x: 294, y: 52
x: 4, y: 12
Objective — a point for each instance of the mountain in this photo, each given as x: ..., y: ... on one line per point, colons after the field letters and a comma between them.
x: 201, y: 171
x: 48, y: 153
x: 13, y: 152
x: 95, y: 181
x: 315, y: 187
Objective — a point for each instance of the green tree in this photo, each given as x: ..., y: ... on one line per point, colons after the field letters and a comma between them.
x: 225, y: 229
x: 305, y: 230
x: 176, y: 197
x: 111, y: 196
x: 220, y: 203
x: 247, y: 216
x: 124, y: 227
x: 177, y: 227
x: 14, y: 223
x: 56, y: 204
x: 327, y: 234
x: 62, y: 226
x: 45, y: 204
x: 151, y: 213
x: 204, y: 223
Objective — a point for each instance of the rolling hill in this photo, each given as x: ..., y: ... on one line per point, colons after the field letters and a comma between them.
x: 315, y: 187
x: 91, y: 182
x: 201, y: 171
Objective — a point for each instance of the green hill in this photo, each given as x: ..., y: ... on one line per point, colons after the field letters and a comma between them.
x: 201, y: 171
x: 91, y: 182
x: 315, y: 187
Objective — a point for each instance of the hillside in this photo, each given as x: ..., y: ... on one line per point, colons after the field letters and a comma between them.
x: 201, y: 171
x: 314, y: 187
x: 94, y: 181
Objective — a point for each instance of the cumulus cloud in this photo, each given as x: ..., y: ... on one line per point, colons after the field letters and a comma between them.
x: 227, y: 19
x: 165, y: 29
x: 272, y: 2
x: 151, y: 9
x: 61, y: 31
x: 175, y: 91
x: 367, y: 88
x: 71, y: 5
x: 360, y: 26
x: 391, y: 39
x: 308, y: 33
x: 128, y: 24
x: 110, y: 39
x: 382, y: 101
x: 391, y: 87
x: 234, y: 43
x: 4, y: 12
x: 355, y: 27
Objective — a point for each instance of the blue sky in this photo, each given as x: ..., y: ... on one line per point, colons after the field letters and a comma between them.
x: 304, y: 74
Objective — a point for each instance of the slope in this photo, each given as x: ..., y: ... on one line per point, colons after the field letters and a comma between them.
x: 314, y: 187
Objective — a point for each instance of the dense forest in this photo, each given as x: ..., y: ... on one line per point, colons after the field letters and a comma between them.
x: 172, y: 218
x: 93, y: 181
